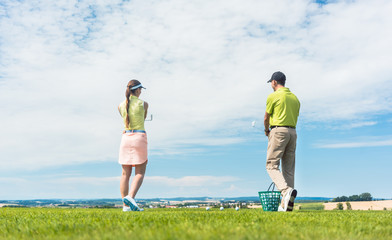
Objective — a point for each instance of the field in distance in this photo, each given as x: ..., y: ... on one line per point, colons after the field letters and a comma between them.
x: 55, y: 223
x: 359, y: 205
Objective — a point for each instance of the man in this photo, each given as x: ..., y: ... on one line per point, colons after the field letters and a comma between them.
x: 280, y: 120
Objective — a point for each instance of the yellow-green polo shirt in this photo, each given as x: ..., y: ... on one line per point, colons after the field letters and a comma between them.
x: 283, y: 108
x: 135, y: 113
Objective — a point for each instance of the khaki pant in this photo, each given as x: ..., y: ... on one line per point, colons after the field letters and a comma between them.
x: 281, y: 146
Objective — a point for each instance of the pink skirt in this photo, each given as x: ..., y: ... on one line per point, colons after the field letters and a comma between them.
x: 133, y: 149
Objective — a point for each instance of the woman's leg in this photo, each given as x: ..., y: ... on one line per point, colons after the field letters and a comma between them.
x: 138, y: 179
x: 124, y: 182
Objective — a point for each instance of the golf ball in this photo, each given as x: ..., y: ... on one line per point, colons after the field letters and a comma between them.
x: 237, y: 208
x: 221, y: 208
x: 207, y: 208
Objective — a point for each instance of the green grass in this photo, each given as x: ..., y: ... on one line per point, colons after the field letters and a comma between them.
x: 309, y: 206
x: 36, y: 223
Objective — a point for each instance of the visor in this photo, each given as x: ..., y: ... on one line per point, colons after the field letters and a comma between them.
x: 137, y: 86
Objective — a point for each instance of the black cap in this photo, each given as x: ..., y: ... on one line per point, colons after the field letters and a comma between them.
x: 278, y: 76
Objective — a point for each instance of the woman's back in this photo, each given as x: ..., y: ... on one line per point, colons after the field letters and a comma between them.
x: 136, y: 113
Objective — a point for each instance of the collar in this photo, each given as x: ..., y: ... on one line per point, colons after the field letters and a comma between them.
x: 283, y: 89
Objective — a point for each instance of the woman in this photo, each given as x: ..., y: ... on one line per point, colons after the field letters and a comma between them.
x: 133, y: 147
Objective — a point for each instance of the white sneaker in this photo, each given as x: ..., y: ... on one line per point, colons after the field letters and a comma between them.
x: 131, y: 203
x: 288, y: 200
x: 126, y: 209
x: 280, y: 209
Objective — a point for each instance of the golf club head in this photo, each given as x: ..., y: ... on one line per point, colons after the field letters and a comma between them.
x: 256, y: 127
x: 253, y: 123
x: 148, y: 119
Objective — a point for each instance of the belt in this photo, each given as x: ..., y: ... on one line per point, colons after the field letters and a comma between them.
x: 283, y: 126
x: 132, y: 131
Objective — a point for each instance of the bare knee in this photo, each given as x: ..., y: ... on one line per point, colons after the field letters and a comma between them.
x: 127, y: 171
x: 140, y: 169
x: 139, y: 173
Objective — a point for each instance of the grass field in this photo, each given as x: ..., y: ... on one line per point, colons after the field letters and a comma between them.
x: 309, y: 206
x: 41, y: 223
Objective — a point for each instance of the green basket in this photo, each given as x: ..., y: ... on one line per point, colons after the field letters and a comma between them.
x: 270, y: 200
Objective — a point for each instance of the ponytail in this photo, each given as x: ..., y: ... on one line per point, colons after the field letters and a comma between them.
x: 127, y: 95
x: 128, y: 92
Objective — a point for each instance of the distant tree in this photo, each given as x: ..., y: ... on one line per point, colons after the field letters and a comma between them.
x: 339, y: 206
x: 354, y: 198
x: 348, y: 206
x: 343, y: 199
x: 366, y: 197
x: 362, y: 197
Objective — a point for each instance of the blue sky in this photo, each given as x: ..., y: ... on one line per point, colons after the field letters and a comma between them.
x: 64, y: 67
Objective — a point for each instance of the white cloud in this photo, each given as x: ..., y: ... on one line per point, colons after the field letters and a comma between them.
x: 354, y: 124
x: 17, y: 180
x: 90, y: 180
x: 64, y: 66
x: 359, y: 144
x: 186, y: 181
x: 190, y: 181
x: 362, y: 124
x: 58, y: 186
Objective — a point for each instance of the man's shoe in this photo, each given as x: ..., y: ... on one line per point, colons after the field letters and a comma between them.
x: 280, y: 209
x: 131, y: 203
x: 287, y: 203
x: 290, y: 205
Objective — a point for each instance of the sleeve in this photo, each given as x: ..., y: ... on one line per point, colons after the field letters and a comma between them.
x: 270, y: 105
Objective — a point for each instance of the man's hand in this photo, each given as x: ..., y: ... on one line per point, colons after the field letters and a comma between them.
x: 266, y: 124
x: 267, y: 132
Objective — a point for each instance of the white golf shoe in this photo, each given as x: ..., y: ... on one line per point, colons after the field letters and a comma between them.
x: 280, y: 209
x: 287, y: 204
x: 131, y: 203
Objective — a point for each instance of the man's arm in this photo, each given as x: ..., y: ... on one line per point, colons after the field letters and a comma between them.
x: 266, y: 124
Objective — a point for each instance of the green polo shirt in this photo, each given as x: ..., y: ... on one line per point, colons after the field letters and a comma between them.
x: 283, y: 108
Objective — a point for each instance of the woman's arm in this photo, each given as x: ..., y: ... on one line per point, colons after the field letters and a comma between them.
x: 145, y: 109
x: 119, y: 110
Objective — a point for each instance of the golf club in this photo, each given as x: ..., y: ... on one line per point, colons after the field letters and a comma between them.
x: 149, y: 119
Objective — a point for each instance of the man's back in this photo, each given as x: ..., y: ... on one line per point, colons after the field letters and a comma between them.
x: 283, y: 108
